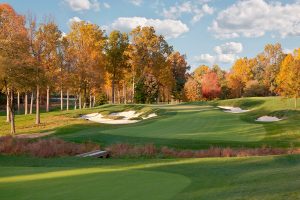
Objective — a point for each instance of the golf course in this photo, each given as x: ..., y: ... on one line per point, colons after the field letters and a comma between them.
x: 191, y: 126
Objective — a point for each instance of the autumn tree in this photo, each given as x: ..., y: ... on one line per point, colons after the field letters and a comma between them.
x: 288, y: 80
x: 210, y: 86
x: 179, y: 68
x: 13, y: 56
x: 36, y: 49
x: 192, y: 89
x: 48, y: 36
x: 148, y: 55
x: 267, y: 65
x: 117, y: 59
x: 200, y: 71
x: 239, y: 75
x: 86, y: 56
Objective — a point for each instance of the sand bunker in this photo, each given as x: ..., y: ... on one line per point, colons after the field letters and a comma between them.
x: 230, y: 109
x: 126, y: 117
x: 268, y: 119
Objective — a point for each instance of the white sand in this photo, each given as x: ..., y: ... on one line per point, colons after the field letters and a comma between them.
x: 127, y: 116
x: 230, y: 109
x: 268, y: 119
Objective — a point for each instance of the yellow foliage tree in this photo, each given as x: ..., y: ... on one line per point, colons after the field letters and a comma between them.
x: 288, y: 80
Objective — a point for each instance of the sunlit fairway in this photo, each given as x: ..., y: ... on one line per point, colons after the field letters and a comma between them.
x: 218, y: 178
x: 183, y: 126
x: 189, y: 126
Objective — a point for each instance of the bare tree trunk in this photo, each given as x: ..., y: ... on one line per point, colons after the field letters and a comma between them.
x: 68, y: 99
x: 94, y: 101
x: 37, y: 118
x: 133, y: 86
x: 31, y: 103
x: 18, y: 102
x: 61, y: 99
x: 90, y: 101
x: 80, y: 105
x: 75, y: 103
x: 125, y: 93
x: 48, y: 99
x: 12, y: 113
x: 113, y: 91
x: 119, y: 96
x: 7, y: 107
x: 26, y: 103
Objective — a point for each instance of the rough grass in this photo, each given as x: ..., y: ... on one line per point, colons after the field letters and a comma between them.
x: 256, y: 178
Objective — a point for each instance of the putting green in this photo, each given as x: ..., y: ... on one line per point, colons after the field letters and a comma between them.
x: 90, y: 183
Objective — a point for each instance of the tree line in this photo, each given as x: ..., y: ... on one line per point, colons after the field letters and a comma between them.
x: 38, y: 61
x: 270, y: 73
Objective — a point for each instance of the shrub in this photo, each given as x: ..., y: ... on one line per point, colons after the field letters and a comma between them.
x: 43, y: 147
x: 127, y: 150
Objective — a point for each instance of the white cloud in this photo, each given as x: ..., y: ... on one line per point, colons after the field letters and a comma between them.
x: 196, y: 9
x: 288, y: 51
x: 215, y: 59
x: 205, y: 58
x: 80, y: 5
x: 169, y: 28
x: 229, y: 48
x: 136, y: 2
x: 106, y: 5
x: 74, y: 19
x: 225, y: 53
x: 254, y: 18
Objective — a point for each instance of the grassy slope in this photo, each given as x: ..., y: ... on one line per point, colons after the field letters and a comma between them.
x: 195, y: 126
x: 260, y: 178
x: 190, y: 126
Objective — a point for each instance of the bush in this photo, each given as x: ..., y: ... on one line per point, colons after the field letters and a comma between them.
x: 43, y: 147
x: 255, y: 89
x: 149, y: 150
x: 101, y: 99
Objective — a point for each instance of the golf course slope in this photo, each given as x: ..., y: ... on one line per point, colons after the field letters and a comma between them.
x: 192, y: 126
x: 256, y: 178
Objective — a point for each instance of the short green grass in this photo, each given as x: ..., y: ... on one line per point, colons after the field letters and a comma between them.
x: 184, y: 126
x: 256, y: 178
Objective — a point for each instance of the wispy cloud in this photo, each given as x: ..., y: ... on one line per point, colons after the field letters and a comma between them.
x: 169, y: 28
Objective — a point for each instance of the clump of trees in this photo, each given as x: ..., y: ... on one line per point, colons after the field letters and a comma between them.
x: 37, y: 61
x: 270, y: 73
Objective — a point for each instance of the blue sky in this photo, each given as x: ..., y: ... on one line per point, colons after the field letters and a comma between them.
x: 207, y: 31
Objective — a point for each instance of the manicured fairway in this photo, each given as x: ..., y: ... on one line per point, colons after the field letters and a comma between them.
x: 188, y: 126
x: 201, y: 126
x: 261, y: 178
